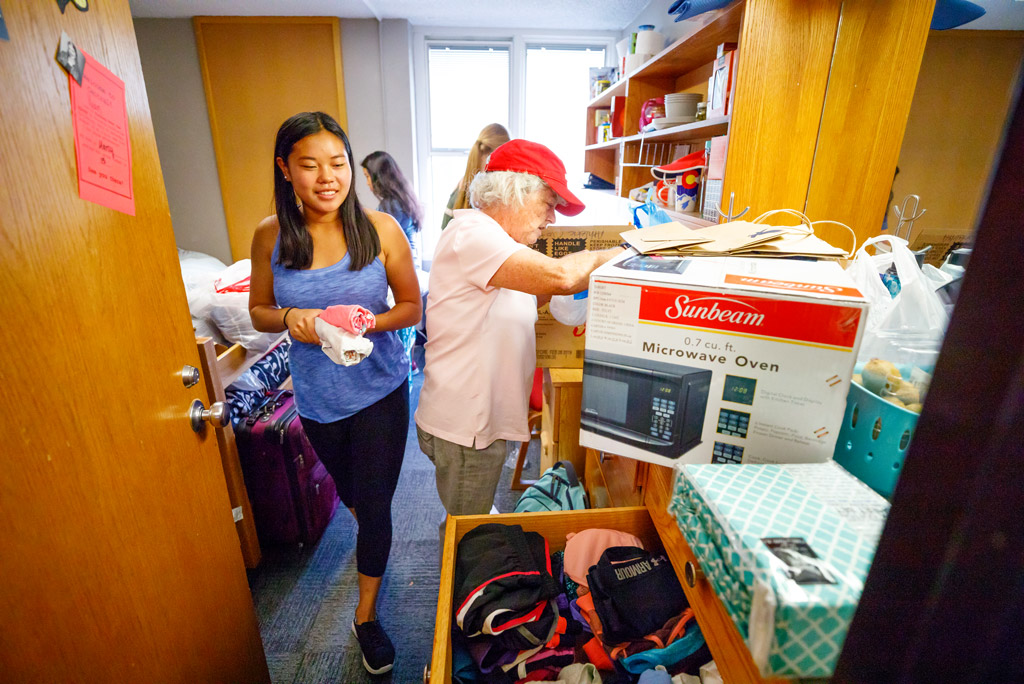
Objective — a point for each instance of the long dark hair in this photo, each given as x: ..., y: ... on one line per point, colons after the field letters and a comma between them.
x: 296, y: 244
x: 391, y: 187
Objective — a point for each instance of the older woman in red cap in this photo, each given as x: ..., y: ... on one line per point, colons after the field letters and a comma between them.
x: 485, y: 287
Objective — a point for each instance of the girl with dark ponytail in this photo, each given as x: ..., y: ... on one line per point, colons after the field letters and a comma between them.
x: 388, y: 184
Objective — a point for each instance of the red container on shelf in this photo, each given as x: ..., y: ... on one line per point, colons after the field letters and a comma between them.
x: 618, y: 115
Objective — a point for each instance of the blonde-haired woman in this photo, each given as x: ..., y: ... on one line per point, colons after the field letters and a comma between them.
x: 490, y: 138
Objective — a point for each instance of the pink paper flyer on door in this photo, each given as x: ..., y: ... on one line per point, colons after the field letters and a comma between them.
x: 99, y: 114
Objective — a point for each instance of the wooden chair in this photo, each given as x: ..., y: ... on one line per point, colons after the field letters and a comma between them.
x: 533, y: 422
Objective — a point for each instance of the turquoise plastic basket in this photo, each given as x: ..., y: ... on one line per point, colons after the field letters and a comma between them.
x: 874, y: 439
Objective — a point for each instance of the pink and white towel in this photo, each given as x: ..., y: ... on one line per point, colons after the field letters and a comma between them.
x: 351, y: 318
x: 342, y: 347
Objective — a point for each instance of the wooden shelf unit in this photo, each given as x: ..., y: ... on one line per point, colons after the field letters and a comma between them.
x: 604, y: 98
x: 685, y: 65
x: 820, y: 85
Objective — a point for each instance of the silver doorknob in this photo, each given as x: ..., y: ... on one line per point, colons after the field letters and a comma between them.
x: 199, y: 415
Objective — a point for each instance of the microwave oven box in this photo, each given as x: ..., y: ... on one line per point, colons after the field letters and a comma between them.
x: 718, y: 360
x: 559, y: 345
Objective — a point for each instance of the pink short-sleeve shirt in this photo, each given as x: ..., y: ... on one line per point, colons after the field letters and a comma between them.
x: 480, y: 351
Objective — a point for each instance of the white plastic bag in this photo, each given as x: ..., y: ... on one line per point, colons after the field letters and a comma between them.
x: 902, y: 324
x: 229, y: 310
x: 569, y: 310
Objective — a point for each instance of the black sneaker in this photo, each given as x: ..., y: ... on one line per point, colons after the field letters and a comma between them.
x: 378, y: 651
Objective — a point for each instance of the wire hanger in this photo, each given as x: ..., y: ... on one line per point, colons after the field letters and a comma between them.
x: 907, y: 215
x: 730, y: 216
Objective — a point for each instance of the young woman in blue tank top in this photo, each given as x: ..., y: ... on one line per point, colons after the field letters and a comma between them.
x: 322, y: 248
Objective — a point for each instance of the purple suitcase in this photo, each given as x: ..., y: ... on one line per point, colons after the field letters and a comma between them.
x: 292, y: 495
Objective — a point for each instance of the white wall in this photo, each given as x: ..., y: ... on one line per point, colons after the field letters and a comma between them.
x: 398, y: 102
x: 174, y: 84
x: 378, y: 103
x: 376, y: 59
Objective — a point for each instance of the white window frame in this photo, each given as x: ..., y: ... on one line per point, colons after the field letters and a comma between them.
x: 517, y: 41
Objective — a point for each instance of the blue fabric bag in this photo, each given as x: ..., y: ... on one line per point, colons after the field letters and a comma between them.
x: 558, y: 489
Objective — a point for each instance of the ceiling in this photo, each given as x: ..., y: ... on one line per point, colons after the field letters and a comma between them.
x: 585, y: 15
x: 1007, y: 15
x: 579, y: 15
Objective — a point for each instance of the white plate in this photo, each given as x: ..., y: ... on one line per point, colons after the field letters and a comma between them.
x: 666, y: 122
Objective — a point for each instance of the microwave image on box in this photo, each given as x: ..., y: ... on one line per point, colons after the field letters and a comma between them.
x: 726, y: 453
x: 653, y: 405
x: 654, y: 263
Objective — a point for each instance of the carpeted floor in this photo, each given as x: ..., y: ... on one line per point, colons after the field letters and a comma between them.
x: 305, y: 598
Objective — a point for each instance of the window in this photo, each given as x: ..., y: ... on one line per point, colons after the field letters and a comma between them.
x: 557, y: 90
x: 468, y: 89
x: 536, y: 87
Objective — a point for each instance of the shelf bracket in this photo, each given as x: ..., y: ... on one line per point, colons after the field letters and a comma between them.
x: 730, y: 216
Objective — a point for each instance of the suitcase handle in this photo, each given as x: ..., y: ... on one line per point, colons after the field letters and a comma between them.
x: 266, y: 408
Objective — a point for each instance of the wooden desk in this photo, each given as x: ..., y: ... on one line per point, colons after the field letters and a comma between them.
x: 614, y: 481
x: 560, y: 420
x: 611, y: 481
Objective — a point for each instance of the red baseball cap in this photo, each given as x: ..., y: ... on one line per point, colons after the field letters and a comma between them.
x: 524, y: 156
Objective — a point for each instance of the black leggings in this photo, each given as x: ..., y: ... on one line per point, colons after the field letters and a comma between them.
x: 364, y: 453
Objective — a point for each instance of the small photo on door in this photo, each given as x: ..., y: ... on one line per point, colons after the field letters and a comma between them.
x: 70, y: 57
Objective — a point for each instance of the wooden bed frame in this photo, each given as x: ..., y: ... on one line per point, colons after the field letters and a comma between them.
x: 221, y: 367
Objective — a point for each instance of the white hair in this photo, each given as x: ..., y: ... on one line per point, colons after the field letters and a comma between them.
x: 505, y: 188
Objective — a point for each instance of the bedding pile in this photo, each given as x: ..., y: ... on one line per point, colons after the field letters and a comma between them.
x: 218, y: 300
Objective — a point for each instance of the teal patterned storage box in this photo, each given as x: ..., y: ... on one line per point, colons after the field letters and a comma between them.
x: 787, y: 548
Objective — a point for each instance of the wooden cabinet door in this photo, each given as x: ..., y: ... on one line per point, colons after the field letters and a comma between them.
x: 119, y: 557
x: 785, y: 50
x: 257, y: 72
x: 878, y: 52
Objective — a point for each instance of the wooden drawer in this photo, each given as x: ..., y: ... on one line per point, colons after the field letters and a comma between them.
x: 651, y: 523
x: 727, y: 646
x: 554, y: 526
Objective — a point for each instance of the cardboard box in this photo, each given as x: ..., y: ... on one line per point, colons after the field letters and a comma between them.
x: 722, y: 360
x: 561, y: 346
x: 942, y: 242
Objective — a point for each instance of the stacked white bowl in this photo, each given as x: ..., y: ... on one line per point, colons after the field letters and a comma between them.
x: 682, y: 106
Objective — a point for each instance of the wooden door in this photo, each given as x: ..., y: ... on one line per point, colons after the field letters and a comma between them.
x: 118, y: 555
x: 257, y: 72
x: 878, y: 50
x: 785, y: 50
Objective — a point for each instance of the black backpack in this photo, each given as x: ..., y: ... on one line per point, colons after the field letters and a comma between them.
x: 635, y: 592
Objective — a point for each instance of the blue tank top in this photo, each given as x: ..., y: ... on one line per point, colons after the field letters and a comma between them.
x: 325, y: 391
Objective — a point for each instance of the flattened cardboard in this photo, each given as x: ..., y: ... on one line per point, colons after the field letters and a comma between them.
x: 733, y: 238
